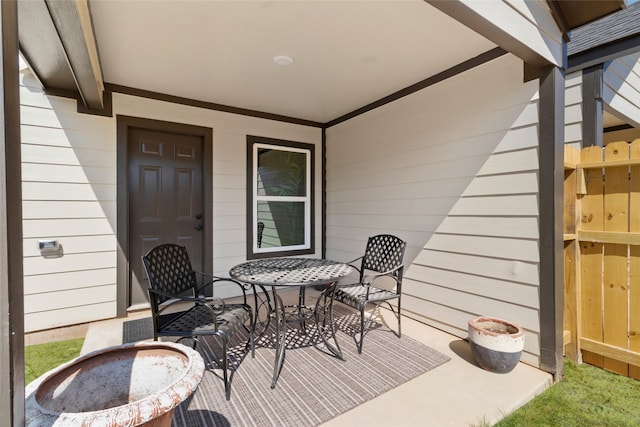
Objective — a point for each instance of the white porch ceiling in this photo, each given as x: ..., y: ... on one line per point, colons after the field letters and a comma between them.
x: 346, y: 54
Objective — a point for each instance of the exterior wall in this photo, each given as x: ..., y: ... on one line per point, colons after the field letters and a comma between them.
x: 451, y: 169
x: 621, y: 97
x: 573, y: 110
x: 69, y: 194
x: 621, y: 91
x: 68, y: 169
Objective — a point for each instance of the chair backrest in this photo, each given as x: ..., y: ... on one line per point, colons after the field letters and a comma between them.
x: 169, y: 270
x: 383, y: 253
x: 260, y: 231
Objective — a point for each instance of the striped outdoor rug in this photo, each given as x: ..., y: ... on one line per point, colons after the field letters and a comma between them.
x: 313, y: 386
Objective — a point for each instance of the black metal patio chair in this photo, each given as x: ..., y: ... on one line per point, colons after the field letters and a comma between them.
x: 180, y: 309
x: 380, y: 264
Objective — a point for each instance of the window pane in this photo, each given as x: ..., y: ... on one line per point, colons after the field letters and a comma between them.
x: 283, y: 223
x: 281, y: 173
x: 280, y: 196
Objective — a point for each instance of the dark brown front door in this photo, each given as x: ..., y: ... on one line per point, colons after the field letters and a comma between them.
x: 165, y: 175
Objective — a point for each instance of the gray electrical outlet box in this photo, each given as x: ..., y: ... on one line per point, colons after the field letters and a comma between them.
x: 48, y: 245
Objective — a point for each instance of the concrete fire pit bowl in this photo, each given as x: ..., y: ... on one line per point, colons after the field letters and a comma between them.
x: 128, y: 385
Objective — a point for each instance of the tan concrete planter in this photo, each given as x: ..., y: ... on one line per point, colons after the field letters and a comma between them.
x: 128, y: 385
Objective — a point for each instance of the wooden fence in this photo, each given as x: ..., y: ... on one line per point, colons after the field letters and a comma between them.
x: 602, y: 256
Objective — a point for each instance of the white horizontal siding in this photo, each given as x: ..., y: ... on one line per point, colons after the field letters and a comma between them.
x: 518, y: 139
x: 74, y: 244
x: 47, y: 154
x: 573, y: 89
x: 504, y: 269
x: 378, y: 223
x: 68, y: 316
x: 228, y: 208
x: 452, y: 169
x: 492, y: 288
x: 496, y: 184
x: 44, y: 228
x: 41, y: 172
x: 621, y: 91
x: 526, y: 204
x: 69, y: 262
x: 78, y: 138
x: 31, y: 95
x: 53, y: 282
x: 229, y: 200
x: 573, y: 109
x: 65, y: 115
x: 60, y: 299
x: 573, y: 113
x: 68, y: 189
x: 513, y: 227
x: 365, y: 200
x: 511, y: 162
x: 469, y: 302
x: 487, y: 246
x: 58, y: 209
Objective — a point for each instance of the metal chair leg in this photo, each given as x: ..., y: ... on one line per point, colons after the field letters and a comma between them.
x: 225, y: 369
x: 399, y: 328
x: 361, y: 329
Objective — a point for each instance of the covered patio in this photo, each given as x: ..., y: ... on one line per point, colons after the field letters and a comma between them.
x: 440, y: 122
x: 456, y: 393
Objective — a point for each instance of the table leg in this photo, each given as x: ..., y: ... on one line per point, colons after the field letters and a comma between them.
x: 281, y: 336
x: 299, y: 312
x: 324, y: 309
x: 264, y: 311
x: 301, y: 309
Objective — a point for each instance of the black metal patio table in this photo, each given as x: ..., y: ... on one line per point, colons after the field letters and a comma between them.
x: 302, y: 273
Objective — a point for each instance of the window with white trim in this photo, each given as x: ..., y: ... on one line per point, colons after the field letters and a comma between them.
x: 279, y: 197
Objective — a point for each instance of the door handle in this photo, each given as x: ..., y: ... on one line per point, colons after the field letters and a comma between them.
x: 199, y: 216
x: 198, y: 227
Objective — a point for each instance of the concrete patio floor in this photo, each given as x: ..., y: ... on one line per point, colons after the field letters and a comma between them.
x: 458, y: 393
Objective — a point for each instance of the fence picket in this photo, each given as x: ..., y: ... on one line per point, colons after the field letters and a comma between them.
x: 591, y: 254
x: 615, y: 291
x: 634, y: 257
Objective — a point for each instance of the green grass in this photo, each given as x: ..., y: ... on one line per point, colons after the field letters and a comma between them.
x: 41, y: 358
x: 587, y: 396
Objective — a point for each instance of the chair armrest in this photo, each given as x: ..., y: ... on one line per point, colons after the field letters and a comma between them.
x: 207, y: 279
x: 352, y: 263
x: 216, y: 279
x: 355, y: 259
x: 215, y: 305
x: 179, y: 298
x: 370, y: 278
x: 200, y: 273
